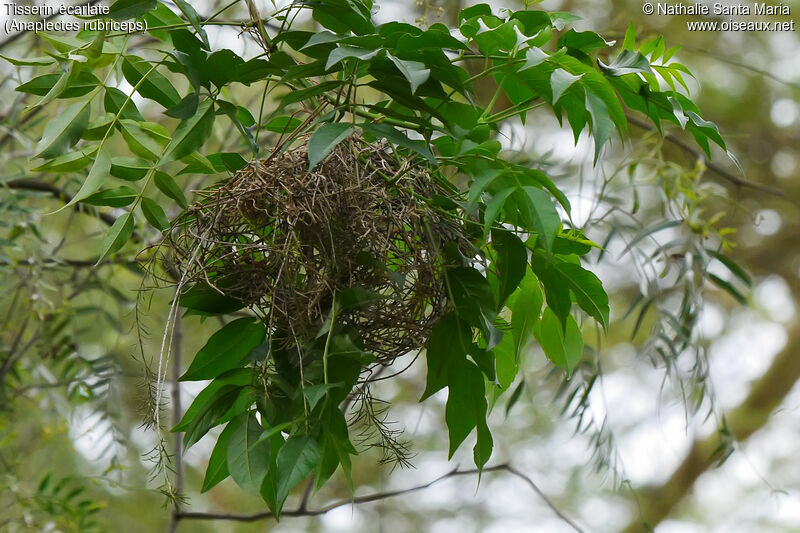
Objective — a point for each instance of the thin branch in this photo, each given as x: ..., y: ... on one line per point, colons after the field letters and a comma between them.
x: 32, y: 184
x: 177, y: 338
x: 382, y: 496
x: 721, y: 172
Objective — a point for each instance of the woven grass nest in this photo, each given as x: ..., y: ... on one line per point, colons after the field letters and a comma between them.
x: 289, y: 242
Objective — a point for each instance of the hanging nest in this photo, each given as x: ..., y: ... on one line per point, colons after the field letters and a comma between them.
x: 355, y: 233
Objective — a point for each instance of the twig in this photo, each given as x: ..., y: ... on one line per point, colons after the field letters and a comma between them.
x: 32, y: 184
x: 177, y: 338
x: 381, y: 496
x: 721, y: 172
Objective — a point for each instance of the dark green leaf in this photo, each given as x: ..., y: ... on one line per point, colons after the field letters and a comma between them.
x: 248, y: 455
x: 525, y: 313
x: 449, y: 342
x: 113, y: 101
x: 191, y: 133
x: 63, y: 131
x: 564, y: 347
x: 511, y: 262
x: 167, y: 185
x: 325, y: 139
x: 130, y: 9
x: 154, y: 213
x: 117, y: 235
x: 296, y: 460
x: 588, y: 290
x: 154, y: 85
x: 395, y: 136
x: 226, y: 349
x: 118, y: 197
x: 217, y: 469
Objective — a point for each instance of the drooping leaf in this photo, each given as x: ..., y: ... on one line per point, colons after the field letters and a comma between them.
x: 117, y: 197
x: 525, y: 313
x: 296, y: 460
x: 448, y: 343
x: 117, y: 235
x: 63, y: 131
x: 564, y: 347
x: 154, y: 85
x: 226, y: 349
x: 154, y: 213
x: 130, y: 9
x: 325, y: 139
x: 192, y: 133
x: 217, y: 469
x: 511, y: 262
x: 167, y: 185
x: 588, y: 290
x: 466, y: 409
x: 247, y: 454
x: 415, y: 72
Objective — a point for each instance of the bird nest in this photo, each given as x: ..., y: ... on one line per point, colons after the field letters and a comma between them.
x: 356, y: 235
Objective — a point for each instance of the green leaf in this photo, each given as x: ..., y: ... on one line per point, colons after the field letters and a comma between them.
x: 511, y: 262
x: 154, y: 213
x: 113, y: 101
x: 585, y: 41
x: 192, y: 133
x: 226, y: 349
x: 30, y: 61
x: 73, y: 84
x: 117, y: 197
x: 473, y: 301
x: 731, y: 265
x: 563, y: 347
x: 414, y: 71
x: 70, y: 162
x: 203, y: 299
x: 493, y: 208
x: 602, y: 125
x: 217, y: 469
x: 335, y: 447
x: 296, y: 460
x: 210, y: 405
x: 167, y: 185
x: 395, y: 136
x: 727, y: 287
x: 283, y: 124
x: 139, y: 142
x: 560, y: 81
x: 118, y: 234
x: 97, y: 175
x: 627, y: 62
x: 248, y: 455
x: 539, y: 213
x: 449, y: 342
x: 194, y: 18
x: 344, y: 52
x: 155, y: 87
x: 588, y: 290
x: 630, y: 38
x: 466, y: 409
x: 525, y: 314
x: 130, y: 168
x: 130, y: 9
x: 324, y: 140
x: 63, y: 131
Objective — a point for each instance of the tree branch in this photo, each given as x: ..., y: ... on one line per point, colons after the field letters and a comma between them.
x: 766, y: 394
x: 381, y: 496
x: 718, y: 170
x: 32, y: 184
